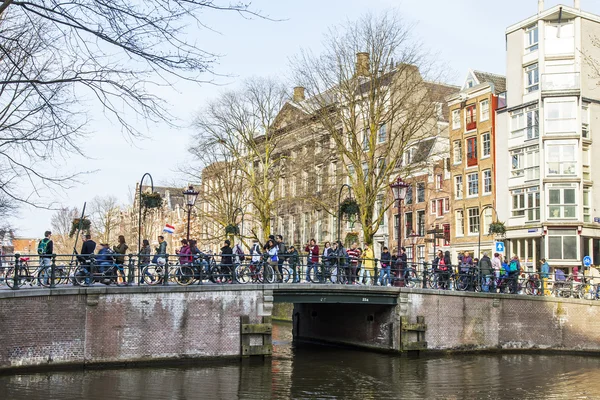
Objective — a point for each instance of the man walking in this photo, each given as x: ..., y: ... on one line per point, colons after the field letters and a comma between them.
x: 45, y: 249
x: 353, y: 254
x: 87, y: 248
x: 485, y: 271
x: 161, y: 250
x: 281, y: 254
x: 313, y: 258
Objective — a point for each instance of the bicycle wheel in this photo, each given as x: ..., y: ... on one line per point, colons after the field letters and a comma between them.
x: 80, y: 276
x: 242, y: 274
x: 184, y: 275
x: 314, y: 275
x: 152, y: 274
x: 286, y: 274
x: 22, y: 274
x: 268, y: 274
x: 44, y: 277
x: 461, y: 283
x: 342, y: 276
x: 411, y: 279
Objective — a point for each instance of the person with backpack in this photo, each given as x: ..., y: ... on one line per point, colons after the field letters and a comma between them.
x: 256, y: 257
x: 272, y: 251
x: 514, y: 269
x: 45, y: 249
x: 240, y: 257
x: 485, y: 272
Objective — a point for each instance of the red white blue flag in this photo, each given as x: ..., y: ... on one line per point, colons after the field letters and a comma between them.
x: 169, y: 228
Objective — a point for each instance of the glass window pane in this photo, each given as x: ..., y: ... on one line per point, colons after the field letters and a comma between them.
x: 569, y: 212
x: 555, y: 247
x: 569, y: 196
x: 554, y: 196
x: 554, y: 211
x: 570, y: 247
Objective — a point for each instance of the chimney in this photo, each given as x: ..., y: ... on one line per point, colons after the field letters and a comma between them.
x: 362, y: 64
x: 540, y: 6
x: 298, y: 94
x: 577, y: 4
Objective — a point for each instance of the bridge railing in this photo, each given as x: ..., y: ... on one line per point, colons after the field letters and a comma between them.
x: 55, y: 270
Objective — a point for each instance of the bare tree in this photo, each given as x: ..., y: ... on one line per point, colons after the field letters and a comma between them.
x: 240, y: 124
x: 368, y: 93
x: 105, y: 215
x: 59, y: 60
x: 61, y: 223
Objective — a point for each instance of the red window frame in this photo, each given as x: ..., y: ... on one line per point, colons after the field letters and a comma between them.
x: 471, y: 151
x: 471, y: 115
x: 446, y: 234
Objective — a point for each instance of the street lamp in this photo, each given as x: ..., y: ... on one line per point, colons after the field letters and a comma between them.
x: 339, y: 219
x: 399, y: 188
x: 140, y: 208
x: 480, y: 217
x: 190, y: 196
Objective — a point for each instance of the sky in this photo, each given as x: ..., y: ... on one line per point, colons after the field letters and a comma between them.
x: 462, y: 34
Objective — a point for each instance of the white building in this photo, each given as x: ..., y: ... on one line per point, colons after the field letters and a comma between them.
x: 546, y: 191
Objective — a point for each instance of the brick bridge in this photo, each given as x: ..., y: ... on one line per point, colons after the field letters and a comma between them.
x: 107, y: 325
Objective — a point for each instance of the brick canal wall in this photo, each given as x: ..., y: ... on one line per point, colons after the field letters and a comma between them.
x: 456, y: 321
x: 40, y: 327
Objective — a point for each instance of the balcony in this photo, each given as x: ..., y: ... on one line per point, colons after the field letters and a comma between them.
x: 560, y: 82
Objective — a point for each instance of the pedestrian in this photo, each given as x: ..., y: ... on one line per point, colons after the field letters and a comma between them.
x: 514, y: 269
x: 293, y: 260
x: 144, y: 260
x: 368, y: 266
x: 401, y: 263
x: 485, y: 272
x: 445, y: 276
x: 333, y: 262
x: 88, y: 247
x: 45, y: 249
x: 272, y: 251
x: 281, y: 255
x: 497, y: 267
x: 104, y: 258
x: 327, y: 251
x: 544, y: 273
x: 120, y: 249
x: 161, y: 250
x: 256, y: 257
x: 185, y: 253
x: 353, y: 255
x: 312, y: 248
x: 386, y: 263
x: 226, y: 261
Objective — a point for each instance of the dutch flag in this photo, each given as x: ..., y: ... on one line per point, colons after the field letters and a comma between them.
x: 169, y: 228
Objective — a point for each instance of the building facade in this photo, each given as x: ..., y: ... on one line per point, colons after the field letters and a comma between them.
x: 545, y: 187
x: 472, y: 161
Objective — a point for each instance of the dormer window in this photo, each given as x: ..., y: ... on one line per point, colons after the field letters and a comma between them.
x: 531, y: 38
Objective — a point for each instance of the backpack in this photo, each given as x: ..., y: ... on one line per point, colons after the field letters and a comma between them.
x: 240, y: 253
x: 42, y: 245
x: 513, y: 266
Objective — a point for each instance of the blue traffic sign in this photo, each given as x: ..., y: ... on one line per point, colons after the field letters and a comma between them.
x: 499, y: 247
x: 587, y: 261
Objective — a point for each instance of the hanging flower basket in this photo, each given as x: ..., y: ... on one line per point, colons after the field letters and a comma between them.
x: 349, y: 207
x: 232, y: 230
x: 86, y: 224
x: 151, y: 200
x: 497, y: 228
x: 351, y: 237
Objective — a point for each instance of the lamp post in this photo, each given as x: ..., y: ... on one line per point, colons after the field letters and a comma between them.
x: 241, y: 230
x: 480, y: 217
x: 140, y: 208
x: 399, y: 188
x: 190, y: 196
x: 340, y: 205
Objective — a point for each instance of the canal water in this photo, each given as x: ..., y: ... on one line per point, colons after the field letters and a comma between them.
x: 315, y: 372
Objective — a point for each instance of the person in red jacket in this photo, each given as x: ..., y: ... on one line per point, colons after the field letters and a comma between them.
x: 354, y: 255
x: 313, y: 258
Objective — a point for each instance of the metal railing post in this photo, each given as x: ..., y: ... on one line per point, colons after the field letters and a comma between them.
x: 166, y: 270
x: 130, y: 270
x: 425, y: 274
x: 53, y: 272
x: 16, y: 272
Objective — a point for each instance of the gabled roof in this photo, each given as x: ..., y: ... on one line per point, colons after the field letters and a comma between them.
x: 423, y: 150
x: 475, y: 78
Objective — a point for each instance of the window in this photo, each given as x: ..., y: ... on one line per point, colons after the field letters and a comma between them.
x: 446, y: 234
x: 587, y: 216
x: 473, y: 184
x: 525, y: 123
x: 487, y: 220
x: 420, y: 192
x: 455, y: 119
x: 526, y: 203
x: 532, y: 78
x: 441, y: 206
x: 473, y: 214
x: 332, y: 174
x: 408, y: 156
x: 471, y: 117
x: 319, y: 180
x: 460, y: 223
x: 560, y: 159
x: 525, y: 162
x: 421, y: 223
x: 484, y: 107
x: 408, y: 217
x: 471, y: 152
x: 409, y: 195
x: 561, y: 203
x: 487, y: 181
x: 439, y: 181
x: 457, y: 147
x: 458, y: 187
x: 585, y: 121
x: 562, y: 244
x: 433, y: 207
x: 531, y: 38
x: 486, y: 145
x: 561, y: 116
x: 446, y: 205
x: 585, y: 163
x: 382, y: 134
x: 282, y: 183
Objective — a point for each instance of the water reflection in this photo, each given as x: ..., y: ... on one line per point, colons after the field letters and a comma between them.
x: 310, y: 372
